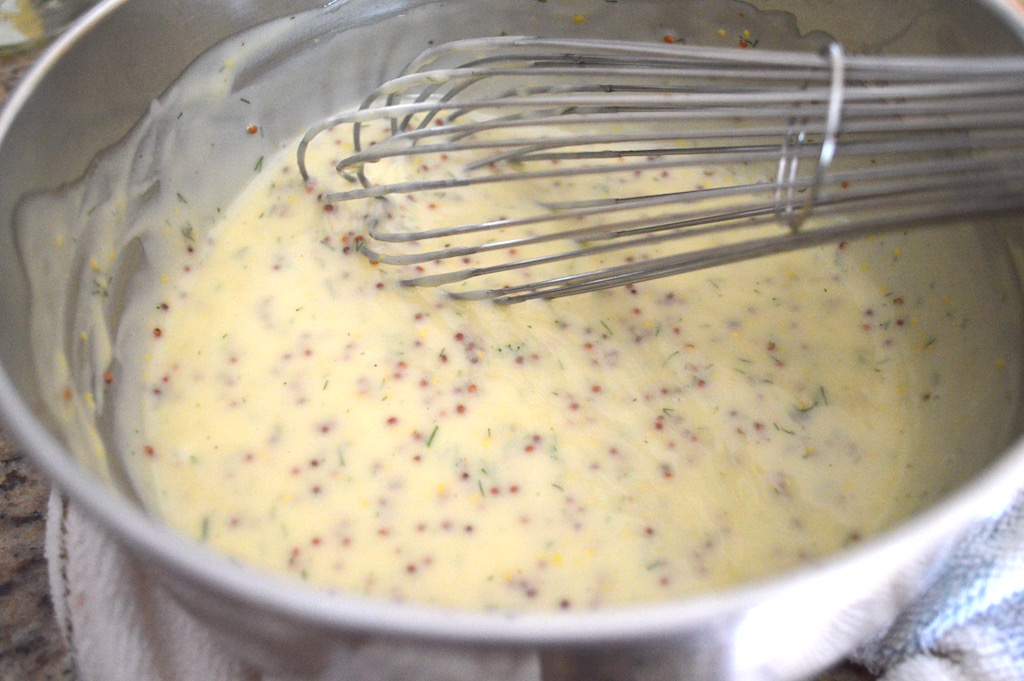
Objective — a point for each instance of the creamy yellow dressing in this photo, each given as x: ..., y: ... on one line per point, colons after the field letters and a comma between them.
x: 305, y: 413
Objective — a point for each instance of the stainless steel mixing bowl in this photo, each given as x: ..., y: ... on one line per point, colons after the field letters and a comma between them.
x: 95, y: 83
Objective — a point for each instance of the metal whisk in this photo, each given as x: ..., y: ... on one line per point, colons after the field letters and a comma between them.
x: 844, y: 146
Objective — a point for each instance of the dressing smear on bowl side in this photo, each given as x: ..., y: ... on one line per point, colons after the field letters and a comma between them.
x: 305, y: 413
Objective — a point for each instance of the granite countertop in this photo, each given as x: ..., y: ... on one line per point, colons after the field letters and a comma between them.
x: 30, y: 643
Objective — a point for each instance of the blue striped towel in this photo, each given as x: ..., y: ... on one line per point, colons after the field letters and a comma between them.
x: 968, y: 624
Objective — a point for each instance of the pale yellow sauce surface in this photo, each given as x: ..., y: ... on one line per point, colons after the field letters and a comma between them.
x: 306, y: 414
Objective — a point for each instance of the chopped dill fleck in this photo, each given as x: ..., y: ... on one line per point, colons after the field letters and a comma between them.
x: 433, y: 433
x: 101, y: 287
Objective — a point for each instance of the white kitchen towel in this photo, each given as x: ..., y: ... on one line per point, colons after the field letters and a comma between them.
x: 967, y: 626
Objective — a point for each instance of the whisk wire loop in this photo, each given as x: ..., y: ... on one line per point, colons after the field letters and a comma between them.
x: 828, y: 142
x: 848, y: 145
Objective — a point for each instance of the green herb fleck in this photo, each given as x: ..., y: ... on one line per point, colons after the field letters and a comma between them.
x: 101, y: 286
